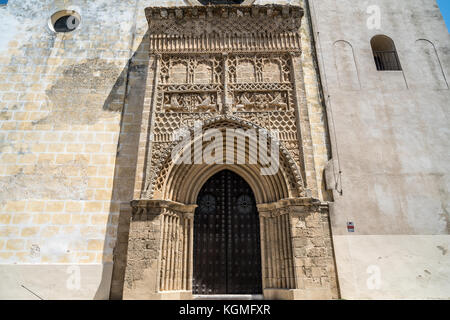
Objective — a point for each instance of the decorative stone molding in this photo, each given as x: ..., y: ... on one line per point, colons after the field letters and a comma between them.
x: 294, y: 202
x: 228, y: 28
x: 141, y: 206
x: 162, y: 169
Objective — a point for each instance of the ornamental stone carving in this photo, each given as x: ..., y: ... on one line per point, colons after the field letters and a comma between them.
x: 226, y: 67
x: 224, y: 60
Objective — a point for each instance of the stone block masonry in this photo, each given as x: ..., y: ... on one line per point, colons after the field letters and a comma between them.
x: 67, y: 138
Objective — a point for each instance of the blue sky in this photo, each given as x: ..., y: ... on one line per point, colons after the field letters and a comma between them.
x: 445, y: 8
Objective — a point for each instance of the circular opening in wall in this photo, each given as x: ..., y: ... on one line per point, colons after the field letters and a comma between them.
x: 65, y: 21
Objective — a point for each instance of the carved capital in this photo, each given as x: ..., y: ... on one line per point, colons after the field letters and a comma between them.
x: 295, y: 54
x: 293, y: 205
x: 162, y: 207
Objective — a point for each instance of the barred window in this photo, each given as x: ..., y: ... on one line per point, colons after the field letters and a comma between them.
x: 385, y: 54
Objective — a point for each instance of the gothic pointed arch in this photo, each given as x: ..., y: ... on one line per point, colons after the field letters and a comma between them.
x: 180, y: 182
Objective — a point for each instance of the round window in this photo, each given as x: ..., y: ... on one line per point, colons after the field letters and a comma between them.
x: 65, y: 21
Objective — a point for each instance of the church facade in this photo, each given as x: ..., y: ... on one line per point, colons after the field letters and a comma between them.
x: 179, y: 149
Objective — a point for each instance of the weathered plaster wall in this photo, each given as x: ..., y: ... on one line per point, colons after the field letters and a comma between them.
x: 390, y: 137
x: 68, y: 142
x: 63, y: 111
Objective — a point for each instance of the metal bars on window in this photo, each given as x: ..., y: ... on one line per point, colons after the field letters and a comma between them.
x: 387, y: 61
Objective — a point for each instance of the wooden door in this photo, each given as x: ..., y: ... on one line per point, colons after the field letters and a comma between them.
x: 227, y: 255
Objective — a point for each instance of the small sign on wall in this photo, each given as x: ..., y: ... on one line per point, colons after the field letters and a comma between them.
x: 350, y: 226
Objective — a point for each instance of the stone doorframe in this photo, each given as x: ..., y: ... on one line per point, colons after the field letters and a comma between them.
x: 296, y: 250
x: 296, y: 246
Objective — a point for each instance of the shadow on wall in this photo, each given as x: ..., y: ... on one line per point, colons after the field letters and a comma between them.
x: 134, y: 75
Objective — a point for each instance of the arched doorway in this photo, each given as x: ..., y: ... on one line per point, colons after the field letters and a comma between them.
x: 285, y: 245
x: 227, y: 253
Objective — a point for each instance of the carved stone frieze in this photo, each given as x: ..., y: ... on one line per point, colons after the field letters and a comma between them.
x: 224, y: 28
x: 261, y: 101
x: 190, y: 102
x: 194, y: 87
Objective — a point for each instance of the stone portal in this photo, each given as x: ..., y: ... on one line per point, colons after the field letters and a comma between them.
x: 227, y: 68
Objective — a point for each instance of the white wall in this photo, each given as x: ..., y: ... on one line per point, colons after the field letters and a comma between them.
x: 391, y: 140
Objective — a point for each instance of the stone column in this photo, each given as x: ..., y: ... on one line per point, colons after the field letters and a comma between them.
x: 145, y: 151
x: 276, y: 248
x: 159, y: 261
x: 296, y: 248
x: 227, y: 99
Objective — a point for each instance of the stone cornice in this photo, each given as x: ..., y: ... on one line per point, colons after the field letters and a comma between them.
x: 210, y: 13
x: 224, y: 28
x: 293, y: 202
x: 172, y: 205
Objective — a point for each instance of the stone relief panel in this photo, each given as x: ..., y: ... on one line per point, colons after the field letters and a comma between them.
x: 218, y: 21
x: 266, y: 98
x: 223, y: 61
x: 259, y: 68
x: 260, y: 83
x: 261, y: 101
x: 190, y: 102
x: 189, y: 84
x: 258, y: 87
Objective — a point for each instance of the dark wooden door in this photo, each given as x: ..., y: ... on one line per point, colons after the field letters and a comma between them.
x: 227, y: 255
